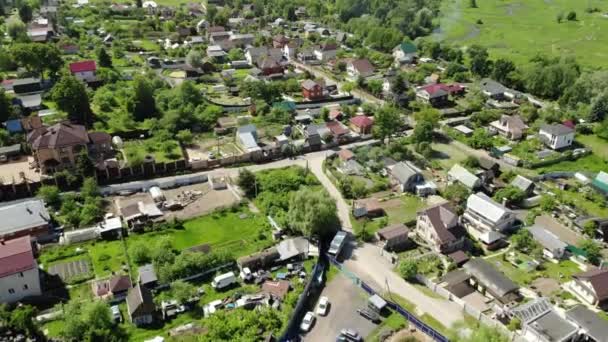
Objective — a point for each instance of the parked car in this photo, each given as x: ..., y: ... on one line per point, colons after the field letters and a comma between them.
x: 246, y: 274
x: 116, y: 313
x: 369, y: 314
x: 323, y: 306
x: 350, y: 335
x: 223, y: 281
x: 308, y: 321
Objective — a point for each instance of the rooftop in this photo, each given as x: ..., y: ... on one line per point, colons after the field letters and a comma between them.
x: 18, y: 216
x: 486, y: 274
x: 16, y: 255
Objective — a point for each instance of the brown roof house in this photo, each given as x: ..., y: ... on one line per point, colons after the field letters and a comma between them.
x: 115, y: 287
x: 57, y: 147
x: 438, y: 226
x: 512, y: 127
x: 367, y: 207
x: 394, y: 237
x: 140, y: 306
x: 591, y: 287
x: 359, y: 68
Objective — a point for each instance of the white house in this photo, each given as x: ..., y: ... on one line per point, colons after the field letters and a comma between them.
x: 19, y: 277
x: 85, y: 71
x: 326, y: 51
x: 359, y: 68
x: 405, y: 53
x: 590, y: 286
x: 553, y: 247
x: 556, y: 136
x: 485, y: 219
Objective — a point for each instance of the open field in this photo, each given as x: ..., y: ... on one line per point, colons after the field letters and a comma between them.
x: 598, y: 145
x: 520, y: 29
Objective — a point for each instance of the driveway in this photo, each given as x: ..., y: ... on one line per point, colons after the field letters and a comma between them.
x: 345, y: 298
x: 367, y: 263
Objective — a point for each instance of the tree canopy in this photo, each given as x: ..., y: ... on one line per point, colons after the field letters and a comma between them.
x: 71, y: 96
x: 313, y: 213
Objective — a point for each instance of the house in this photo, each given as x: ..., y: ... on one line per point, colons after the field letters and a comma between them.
x: 491, y: 282
x: 293, y: 249
x: 254, y: 55
x: 19, y: 275
x: 359, y: 68
x: 556, y: 136
x: 57, y: 147
x: 345, y: 155
x: 351, y: 168
x: 116, y: 286
x: 405, y: 176
x: 437, y: 94
x: 361, y: 124
x: 25, y: 218
x: 279, y: 41
x: 438, y: 226
x: 147, y: 276
x: 326, y: 51
x: 216, y: 52
x: 493, y: 89
x: 512, y: 127
x: 338, y: 130
x: 270, y: 67
x: 311, y: 90
x: 25, y: 86
x: 85, y: 71
x: 463, y: 176
x: 524, y: 184
x: 600, y: 182
x: 485, y: 219
x: 138, y: 214
x: 394, y: 237
x: 540, y: 322
x: 290, y: 49
x: 242, y: 39
x: 591, y: 287
x: 553, y: 247
x: 307, y: 56
x: 247, y: 137
x: 278, y: 289
x: 591, y: 326
x: 140, y: 306
x: 367, y: 207
x: 405, y: 53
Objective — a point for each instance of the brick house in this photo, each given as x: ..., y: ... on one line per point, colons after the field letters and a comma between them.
x: 311, y: 90
x: 361, y: 124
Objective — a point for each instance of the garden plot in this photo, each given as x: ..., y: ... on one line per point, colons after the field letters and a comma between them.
x: 70, y: 270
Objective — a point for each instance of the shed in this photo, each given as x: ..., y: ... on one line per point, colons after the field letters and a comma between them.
x: 293, y: 248
x: 393, y: 236
x: 464, y: 176
x: 491, y: 280
x: 157, y: 194
x: 147, y: 276
x: 10, y: 151
x: 376, y: 302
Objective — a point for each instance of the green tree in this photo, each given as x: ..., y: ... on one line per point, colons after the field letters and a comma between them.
x: 423, y: 132
x: 37, y: 58
x: 523, y: 241
x: 182, y: 291
x: 25, y: 12
x: 599, y: 108
x: 547, y: 203
x: 408, y: 269
x: 185, y: 137
x: 514, y: 324
x: 247, y: 182
x: 456, y: 193
x: 511, y: 193
x: 103, y: 58
x: 386, y: 122
x: 590, y: 229
x: 141, y: 103
x: 22, y: 319
x: 571, y: 16
x: 90, y: 321
x: 502, y: 69
x: 473, y: 3
x: 84, y: 165
x: 481, y: 139
x: 51, y: 195
x: 236, y: 55
x: 89, y: 188
x: 71, y: 96
x: 6, y: 106
x: 194, y: 58
x: 16, y: 28
x: 592, y: 249
x: 140, y: 253
x: 313, y: 213
x: 479, y: 62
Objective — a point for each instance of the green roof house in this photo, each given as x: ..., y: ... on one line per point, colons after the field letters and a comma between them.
x: 601, y: 182
x: 289, y: 106
x: 405, y: 53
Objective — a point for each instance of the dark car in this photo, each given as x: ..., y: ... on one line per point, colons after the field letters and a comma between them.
x: 369, y: 314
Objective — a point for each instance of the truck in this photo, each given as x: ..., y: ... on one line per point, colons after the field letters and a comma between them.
x: 223, y: 280
x: 337, y: 243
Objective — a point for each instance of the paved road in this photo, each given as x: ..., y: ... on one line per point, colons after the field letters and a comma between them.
x: 367, y: 263
x: 318, y: 72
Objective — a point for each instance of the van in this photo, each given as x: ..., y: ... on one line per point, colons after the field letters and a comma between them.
x: 223, y: 281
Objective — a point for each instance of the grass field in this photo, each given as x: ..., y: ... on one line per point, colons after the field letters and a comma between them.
x: 519, y: 29
x: 598, y: 145
x: 590, y: 163
x: 166, y: 151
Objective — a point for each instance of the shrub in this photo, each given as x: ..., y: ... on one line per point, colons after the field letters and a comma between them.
x: 571, y: 16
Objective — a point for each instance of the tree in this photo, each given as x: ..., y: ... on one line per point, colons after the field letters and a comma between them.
x: 325, y: 114
x: 51, y: 195
x: 511, y: 194
x: 523, y: 241
x: 141, y: 103
x: 236, y: 55
x: 194, y: 58
x: 84, y: 165
x: 89, y: 188
x: 103, y: 58
x: 313, y: 213
x: 16, y: 28
x: 6, y: 106
x: 473, y: 3
x: 90, y: 321
x: 70, y: 95
x: 247, y: 182
x: 408, y: 269
x: 22, y: 319
x: 140, y: 253
x: 590, y: 229
x: 25, y: 12
x: 182, y: 291
x: 502, y: 69
x: 514, y: 324
x: 37, y: 58
x: 560, y: 17
x: 425, y: 149
x: 547, y: 203
x: 599, y: 108
x: 386, y: 122
x: 592, y: 249
x: 348, y: 87
x: 571, y: 16
x: 456, y: 193
x: 481, y: 139
x: 185, y: 137
x: 478, y: 59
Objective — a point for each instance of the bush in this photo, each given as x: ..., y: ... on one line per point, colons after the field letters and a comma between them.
x: 408, y: 269
x: 571, y: 16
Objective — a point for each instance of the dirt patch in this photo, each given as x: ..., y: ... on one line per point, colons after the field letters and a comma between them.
x: 15, y: 170
x: 207, y: 203
x: 546, y: 286
x: 409, y: 332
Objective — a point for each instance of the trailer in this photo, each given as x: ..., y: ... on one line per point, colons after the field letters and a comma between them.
x: 337, y: 243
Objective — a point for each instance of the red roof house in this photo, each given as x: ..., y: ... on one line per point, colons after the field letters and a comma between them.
x: 16, y: 256
x: 83, y: 66
x: 361, y: 124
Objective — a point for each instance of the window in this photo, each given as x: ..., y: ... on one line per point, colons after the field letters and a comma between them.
x: 11, y: 291
x: 25, y: 287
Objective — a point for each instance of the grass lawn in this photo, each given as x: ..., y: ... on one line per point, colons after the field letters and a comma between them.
x: 520, y: 29
x: 406, y: 211
x: 547, y: 270
x: 136, y: 150
x: 447, y: 155
x: 598, y: 145
x: 590, y: 163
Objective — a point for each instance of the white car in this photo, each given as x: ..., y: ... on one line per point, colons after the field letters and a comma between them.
x: 308, y: 321
x: 322, y: 306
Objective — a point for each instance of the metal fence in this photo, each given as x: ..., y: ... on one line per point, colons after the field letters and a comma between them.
x: 419, y: 324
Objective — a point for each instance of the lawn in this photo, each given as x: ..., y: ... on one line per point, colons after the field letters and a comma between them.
x: 598, y: 145
x: 406, y: 210
x: 519, y: 29
x: 547, y: 270
x: 589, y: 163
x: 447, y: 155
x: 166, y: 151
